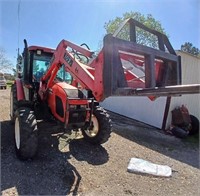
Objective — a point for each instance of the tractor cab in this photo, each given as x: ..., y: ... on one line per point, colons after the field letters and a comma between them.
x: 33, y: 64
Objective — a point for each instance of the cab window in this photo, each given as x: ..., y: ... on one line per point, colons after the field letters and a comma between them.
x: 40, y: 65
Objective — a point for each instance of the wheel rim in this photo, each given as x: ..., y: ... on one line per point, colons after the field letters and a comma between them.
x: 94, y: 128
x: 17, y: 133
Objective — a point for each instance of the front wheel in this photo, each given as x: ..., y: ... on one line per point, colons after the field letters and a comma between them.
x: 100, y: 129
x: 26, y: 136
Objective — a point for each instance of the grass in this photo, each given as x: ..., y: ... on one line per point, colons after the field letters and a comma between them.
x: 9, y: 83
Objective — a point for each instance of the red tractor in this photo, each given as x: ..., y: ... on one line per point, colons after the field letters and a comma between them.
x: 66, y: 84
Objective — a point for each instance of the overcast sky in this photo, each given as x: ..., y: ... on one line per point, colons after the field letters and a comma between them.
x: 46, y: 22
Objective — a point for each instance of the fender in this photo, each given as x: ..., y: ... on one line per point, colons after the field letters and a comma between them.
x: 20, y: 90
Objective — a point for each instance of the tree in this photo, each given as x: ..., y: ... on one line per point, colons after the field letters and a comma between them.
x: 189, y: 48
x: 5, y: 63
x: 143, y: 37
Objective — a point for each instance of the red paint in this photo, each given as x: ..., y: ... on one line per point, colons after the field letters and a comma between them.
x: 20, y: 90
x: 44, y: 49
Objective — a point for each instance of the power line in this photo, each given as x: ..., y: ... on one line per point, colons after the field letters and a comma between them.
x: 18, y: 14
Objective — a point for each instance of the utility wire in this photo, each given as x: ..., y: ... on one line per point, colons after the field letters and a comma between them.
x: 18, y: 14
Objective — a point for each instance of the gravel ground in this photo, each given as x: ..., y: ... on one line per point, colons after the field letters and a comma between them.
x: 78, y: 168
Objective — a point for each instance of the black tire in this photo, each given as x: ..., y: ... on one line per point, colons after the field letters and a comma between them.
x: 179, y: 132
x: 195, y: 125
x: 100, y: 129
x: 26, y: 133
x: 13, y: 103
x: 5, y: 87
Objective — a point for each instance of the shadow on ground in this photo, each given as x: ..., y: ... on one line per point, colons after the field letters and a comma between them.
x: 183, y: 150
x: 51, y: 172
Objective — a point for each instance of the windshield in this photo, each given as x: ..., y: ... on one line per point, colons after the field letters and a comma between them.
x: 62, y: 75
x: 40, y: 65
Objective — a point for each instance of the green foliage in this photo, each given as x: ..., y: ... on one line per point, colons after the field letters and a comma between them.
x: 9, y: 83
x: 142, y: 37
x: 189, y: 48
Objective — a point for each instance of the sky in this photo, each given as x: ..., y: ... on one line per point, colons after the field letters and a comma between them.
x: 47, y: 22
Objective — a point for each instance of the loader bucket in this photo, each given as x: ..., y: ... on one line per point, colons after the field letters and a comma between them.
x: 135, y: 69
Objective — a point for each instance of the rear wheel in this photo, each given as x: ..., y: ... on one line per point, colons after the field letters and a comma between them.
x: 100, y: 129
x: 26, y: 136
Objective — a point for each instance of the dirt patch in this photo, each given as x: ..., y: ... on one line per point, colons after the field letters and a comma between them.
x: 78, y: 168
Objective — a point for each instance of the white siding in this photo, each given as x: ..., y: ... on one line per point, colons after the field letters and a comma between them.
x: 139, y: 108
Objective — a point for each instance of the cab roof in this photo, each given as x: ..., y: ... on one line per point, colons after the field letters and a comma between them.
x: 44, y: 49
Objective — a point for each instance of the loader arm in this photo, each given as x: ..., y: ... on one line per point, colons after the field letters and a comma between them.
x: 83, y: 74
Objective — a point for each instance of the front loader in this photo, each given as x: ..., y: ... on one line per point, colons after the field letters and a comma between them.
x: 63, y: 86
